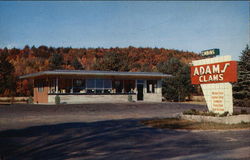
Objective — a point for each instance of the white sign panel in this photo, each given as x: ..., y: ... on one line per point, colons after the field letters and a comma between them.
x: 218, y: 96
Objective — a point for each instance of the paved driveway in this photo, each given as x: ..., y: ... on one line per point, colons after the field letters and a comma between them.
x: 119, y: 136
x: 21, y: 116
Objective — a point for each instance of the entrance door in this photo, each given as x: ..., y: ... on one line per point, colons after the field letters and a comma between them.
x: 139, y: 92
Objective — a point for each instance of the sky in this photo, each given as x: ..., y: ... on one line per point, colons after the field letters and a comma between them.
x: 189, y: 26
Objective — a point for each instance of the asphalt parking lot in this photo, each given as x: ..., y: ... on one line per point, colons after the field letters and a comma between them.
x: 33, y: 115
x: 110, y: 131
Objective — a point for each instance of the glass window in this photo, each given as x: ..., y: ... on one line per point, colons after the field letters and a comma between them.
x: 118, y: 86
x: 52, y: 86
x: 78, y: 85
x: 90, y: 83
x: 129, y: 86
x: 140, y: 81
x: 99, y: 83
x: 40, y: 86
x: 151, y: 85
x: 107, y: 84
x: 68, y: 85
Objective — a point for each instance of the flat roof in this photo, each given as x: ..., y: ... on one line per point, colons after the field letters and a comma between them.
x: 97, y: 73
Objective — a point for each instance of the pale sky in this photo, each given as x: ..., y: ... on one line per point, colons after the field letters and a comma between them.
x: 189, y: 26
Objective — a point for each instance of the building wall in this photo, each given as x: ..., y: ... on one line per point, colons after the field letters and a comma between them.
x: 41, y: 97
x: 70, y: 99
x: 152, y: 97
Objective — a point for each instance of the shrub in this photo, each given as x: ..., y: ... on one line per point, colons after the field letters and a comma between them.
x: 224, y: 114
x: 246, y: 103
x: 239, y: 103
x: 130, y: 99
x: 242, y: 122
x: 239, y: 95
x: 30, y: 100
x: 243, y: 111
x: 57, y: 100
x: 196, y: 112
x: 236, y: 113
x: 212, y: 114
x: 191, y: 112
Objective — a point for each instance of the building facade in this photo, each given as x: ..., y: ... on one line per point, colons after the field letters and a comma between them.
x: 79, y: 86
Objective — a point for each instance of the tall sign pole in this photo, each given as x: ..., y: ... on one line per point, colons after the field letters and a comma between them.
x: 214, y: 75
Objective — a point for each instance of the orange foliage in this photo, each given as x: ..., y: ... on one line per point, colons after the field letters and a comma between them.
x: 32, y: 59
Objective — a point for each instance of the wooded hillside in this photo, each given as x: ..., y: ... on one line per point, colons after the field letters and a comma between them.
x: 35, y: 59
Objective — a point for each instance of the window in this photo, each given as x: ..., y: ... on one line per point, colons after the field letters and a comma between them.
x: 107, y: 85
x: 90, y: 85
x: 140, y: 81
x: 52, y: 85
x: 99, y: 86
x: 151, y: 86
x: 118, y: 86
x: 78, y: 85
x: 40, y: 85
x: 129, y: 86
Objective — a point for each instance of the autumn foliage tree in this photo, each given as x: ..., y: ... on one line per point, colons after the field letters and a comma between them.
x: 76, y: 64
x: 55, y: 61
x: 112, y: 62
x: 35, y: 59
x: 7, y: 78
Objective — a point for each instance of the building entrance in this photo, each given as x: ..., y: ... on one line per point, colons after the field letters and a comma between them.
x: 140, y: 92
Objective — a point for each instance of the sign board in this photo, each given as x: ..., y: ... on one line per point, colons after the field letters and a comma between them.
x: 218, y: 97
x: 214, y: 73
x: 210, y: 52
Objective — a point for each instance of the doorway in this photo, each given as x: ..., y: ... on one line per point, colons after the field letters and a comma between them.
x: 139, y: 92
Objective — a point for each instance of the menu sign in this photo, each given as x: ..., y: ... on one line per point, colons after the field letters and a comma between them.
x: 217, y: 101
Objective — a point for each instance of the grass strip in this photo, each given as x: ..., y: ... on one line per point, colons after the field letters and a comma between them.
x: 175, y: 123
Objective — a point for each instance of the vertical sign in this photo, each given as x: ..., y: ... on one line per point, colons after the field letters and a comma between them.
x: 214, y: 75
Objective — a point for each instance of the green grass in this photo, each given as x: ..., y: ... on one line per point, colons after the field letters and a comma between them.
x: 175, y: 123
x: 204, y: 113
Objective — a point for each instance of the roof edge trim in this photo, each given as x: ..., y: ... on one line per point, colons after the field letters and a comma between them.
x: 98, y: 73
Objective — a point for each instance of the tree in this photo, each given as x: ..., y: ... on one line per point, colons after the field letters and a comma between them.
x: 76, y: 64
x: 7, y: 79
x: 43, y: 52
x: 55, y: 61
x: 177, y: 87
x: 241, y: 89
x: 112, y: 62
x: 31, y: 59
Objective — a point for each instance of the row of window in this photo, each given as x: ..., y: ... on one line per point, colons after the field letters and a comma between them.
x: 96, y: 86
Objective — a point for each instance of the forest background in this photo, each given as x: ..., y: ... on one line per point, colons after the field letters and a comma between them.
x: 15, y: 62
